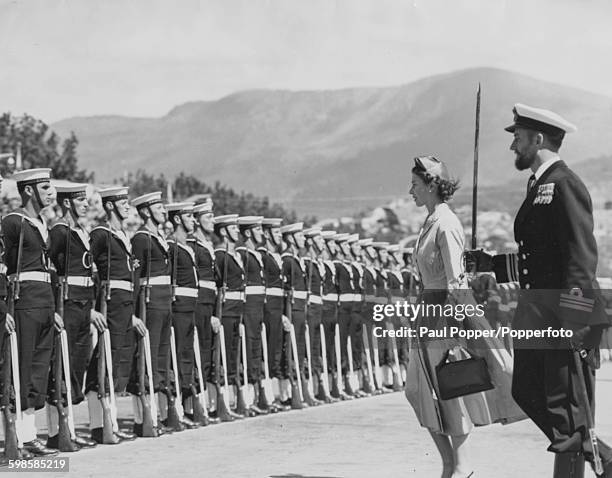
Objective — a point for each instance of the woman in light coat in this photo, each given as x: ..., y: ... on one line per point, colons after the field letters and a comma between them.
x: 439, y: 258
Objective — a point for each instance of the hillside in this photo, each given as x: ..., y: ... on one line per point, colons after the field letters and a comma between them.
x: 335, y: 152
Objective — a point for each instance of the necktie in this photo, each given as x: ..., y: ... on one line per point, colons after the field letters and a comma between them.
x: 532, y: 180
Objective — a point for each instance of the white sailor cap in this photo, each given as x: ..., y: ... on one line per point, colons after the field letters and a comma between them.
x: 408, y: 250
x: 147, y: 199
x: 32, y: 176
x: 352, y: 238
x: 328, y: 235
x: 249, y: 221
x: 71, y: 190
x: 270, y: 222
x: 203, y: 208
x: 292, y: 228
x: 380, y: 245
x: 312, y: 231
x: 539, y: 119
x: 341, y: 237
x: 365, y: 242
x: 226, y: 220
x: 393, y: 248
x: 179, y: 207
x: 114, y: 193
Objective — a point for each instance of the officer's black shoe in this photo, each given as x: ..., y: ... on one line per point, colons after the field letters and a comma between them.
x: 36, y: 448
x: 189, y: 424
x: 282, y: 406
x: 97, y: 435
x: 235, y: 416
x: 84, y: 442
x: 213, y: 420
x: 345, y: 396
x: 125, y: 436
x: 53, y: 442
x: 139, y: 432
x: 179, y: 427
x: 25, y: 454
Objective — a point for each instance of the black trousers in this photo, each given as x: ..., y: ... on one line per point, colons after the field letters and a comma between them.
x: 356, y: 334
x: 77, y: 324
x: 253, y: 318
x: 123, y: 343
x: 329, y: 321
x: 545, y: 385
x: 158, y: 324
x: 232, y: 342
x: 206, y: 340
x: 35, y: 334
x: 345, y: 311
x: 273, y: 311
x: 314, y: 319
x: 183, y: 323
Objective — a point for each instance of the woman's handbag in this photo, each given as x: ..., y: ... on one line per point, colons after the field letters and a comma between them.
x: 462, y: 377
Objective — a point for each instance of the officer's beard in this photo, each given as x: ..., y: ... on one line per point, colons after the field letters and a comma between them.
x: 524, y: 161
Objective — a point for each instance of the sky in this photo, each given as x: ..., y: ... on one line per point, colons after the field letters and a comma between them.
x: 64, y: 58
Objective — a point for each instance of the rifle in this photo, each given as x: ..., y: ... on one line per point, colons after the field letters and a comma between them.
x: 583, y: 401
x: 200, y: 412
x: 11, y: 441
x: 323, y: 392
x: 265, y: 390
x: 104, y: 361
x: 242, y: 390
x: 475, y: 184
x: 220, y: 354
x: 175, y: 404
x: 149, y: 419
x: 65, y: 442
x: 369, y: 383
x: 309, y: 382
x: 296, y: 385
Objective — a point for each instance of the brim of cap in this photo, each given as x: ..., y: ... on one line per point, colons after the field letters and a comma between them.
x: 510, y: 129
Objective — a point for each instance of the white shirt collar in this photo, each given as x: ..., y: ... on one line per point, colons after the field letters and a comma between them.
x: 545, y: 165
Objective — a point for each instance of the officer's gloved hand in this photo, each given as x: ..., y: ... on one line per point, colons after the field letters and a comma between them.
x: 59, y: 322
x: 215, y: 323
x: 97, y: 319
x: 139, y: 326
x: 10, y: 323
x: 478, y: 261
x: 286, y: 323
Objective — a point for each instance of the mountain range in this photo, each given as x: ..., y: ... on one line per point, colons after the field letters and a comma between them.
x: 337, y: 152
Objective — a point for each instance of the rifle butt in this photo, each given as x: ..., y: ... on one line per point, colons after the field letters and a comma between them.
x: 64, y: 440
x: 11, y: 443
x: 265, y: 387
x: 108, y: 435
x: 199, y: 414
x: 148, y: 425
x: 241, y: 406
x: 174, y: 421
x: 222, y: 408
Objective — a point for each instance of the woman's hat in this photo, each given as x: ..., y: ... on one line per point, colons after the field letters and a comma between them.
x: 432, y: 166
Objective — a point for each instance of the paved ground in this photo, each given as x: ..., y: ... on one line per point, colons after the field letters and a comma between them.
x: 371, y: 437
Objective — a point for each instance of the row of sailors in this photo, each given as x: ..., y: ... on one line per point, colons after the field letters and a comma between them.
x: 284, y: 321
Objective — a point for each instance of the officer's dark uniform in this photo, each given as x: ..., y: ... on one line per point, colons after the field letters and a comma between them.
x: 556, y: 265
x: 356, y: 327
x: 78, y: 298
x: 344, y: 284
x: 330, y: 313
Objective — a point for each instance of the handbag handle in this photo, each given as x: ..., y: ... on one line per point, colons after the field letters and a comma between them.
x: 460, y: 347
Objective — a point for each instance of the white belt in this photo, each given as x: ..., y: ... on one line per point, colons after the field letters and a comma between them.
x: 81, y: 281
x: 2, y: 268
x: 370, y: 298
x: 275, y: 291
x: 120, y: 284
x: 512, y: 304
x: 300, y: 294
x: 157, y: 280
x: 315, y: 299
x: 358, y: 297
x: 186, y: 291
x: 331, y: 297
x: 37, y: 276
x: 382, y: 300
x: 346, y: 297
x: 234, y: 295
x: 397, y: 298
x: 207, y: 284
x: 255, y: 289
